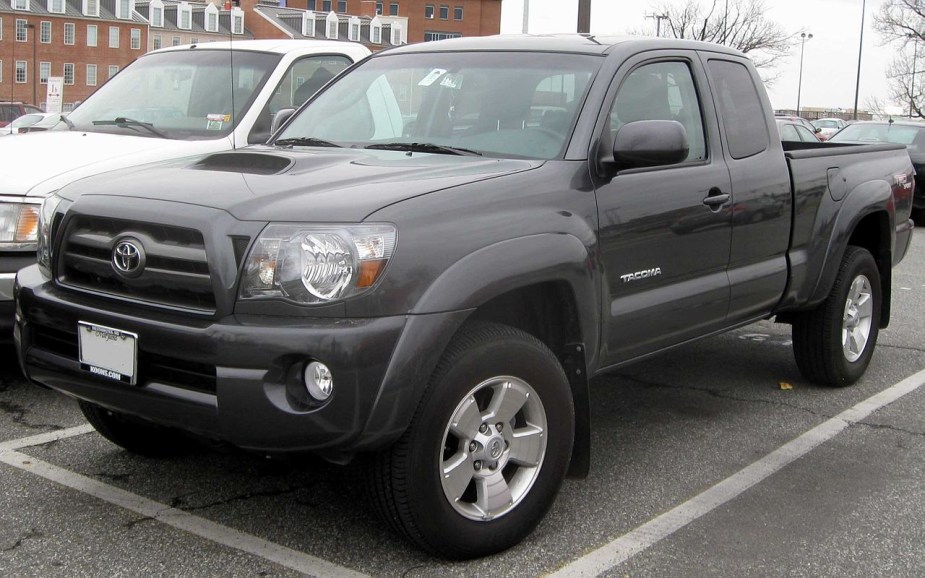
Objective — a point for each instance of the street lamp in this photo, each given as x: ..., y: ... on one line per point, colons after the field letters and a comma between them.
x: 857, y: 86
x: 803, y: 38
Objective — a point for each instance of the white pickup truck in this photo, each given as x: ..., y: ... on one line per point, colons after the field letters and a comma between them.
x: 170, y: 103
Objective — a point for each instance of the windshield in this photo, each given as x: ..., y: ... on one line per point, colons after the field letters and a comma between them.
x: 825, y: 124
x: 182, y: 95
x: 913, y: 136
x: 506, y: 104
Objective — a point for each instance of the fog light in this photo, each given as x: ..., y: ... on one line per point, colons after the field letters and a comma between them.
x: 318, y: 381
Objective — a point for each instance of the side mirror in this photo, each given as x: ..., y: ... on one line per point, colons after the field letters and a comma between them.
x: 650, y: 143
x: 280, y: 118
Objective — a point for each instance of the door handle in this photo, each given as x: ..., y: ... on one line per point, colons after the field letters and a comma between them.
x: 716, y: 198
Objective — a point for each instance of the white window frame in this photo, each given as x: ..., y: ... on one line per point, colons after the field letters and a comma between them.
x: 156, y: 42
x: 20, y: 26
x: 396, y: 36
x: 91, y: 75
x: 70, y: 38
x: 331, y: 26
x: 91, y: 8
x: 353, y: 29
x: 308, y: 23
x: 95, y: 36
x: 113, y: 70
x: 114, y: 39
x: 21, y: 65
x: 124, y: 12
x: 45, y: 27
x: 135, y: 38
x: 375, y: 31
x: 237, y: 21
x: 55, y: 6
x: 211, y: 20
x: 44, y: 72
x: 185, y: 16
x: 73, y: 73
x: 157, y: 13
x: 21, y: 5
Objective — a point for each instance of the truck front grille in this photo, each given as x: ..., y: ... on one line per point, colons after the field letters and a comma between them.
x: 173, y: 272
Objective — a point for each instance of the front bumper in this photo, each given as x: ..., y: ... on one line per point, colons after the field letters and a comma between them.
x: 9, y: 264
x: 235, y: 379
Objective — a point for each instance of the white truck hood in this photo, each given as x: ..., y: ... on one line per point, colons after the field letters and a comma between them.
x: 46, y: 161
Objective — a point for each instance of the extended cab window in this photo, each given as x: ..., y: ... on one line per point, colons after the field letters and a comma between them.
x: 661, y: 91
x: 740, y: 108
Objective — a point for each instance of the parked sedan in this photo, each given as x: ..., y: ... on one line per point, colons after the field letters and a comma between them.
x: 28, y: 122
x: 911, y: 134
x: 829, y: 126
x: 795, y: 132
x: 801, y: 121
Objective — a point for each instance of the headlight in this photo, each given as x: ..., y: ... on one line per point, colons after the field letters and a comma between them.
x: 45, y: 220
x: 316, y: 263
x: 19, y: 222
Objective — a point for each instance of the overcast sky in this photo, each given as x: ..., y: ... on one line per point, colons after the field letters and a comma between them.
x: 830, y: 59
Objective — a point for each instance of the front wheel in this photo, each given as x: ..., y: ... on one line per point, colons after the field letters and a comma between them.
x: 834, y: 342
x: 487, y: 450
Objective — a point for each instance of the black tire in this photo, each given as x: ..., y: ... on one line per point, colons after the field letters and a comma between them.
x: 406, y: 482
x: 135, y: 435
x: 818, y: 334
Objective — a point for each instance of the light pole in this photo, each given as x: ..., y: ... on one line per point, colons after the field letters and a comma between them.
x: 31, y: 28
x: 915, y: 54
x: 857, y: 86
x: 803, y: 38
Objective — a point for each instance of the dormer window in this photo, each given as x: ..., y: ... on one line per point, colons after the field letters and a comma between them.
x: 20, y: 4
x: 91, y: 8
x: 375, y: 31
x: 396, y: 34
x: 56, y: 6
x: 157, y: 13
x: 185, y: 16
x: 124, y: 9
x: 211, y: 12
x: 308, y: 24
x: 237, y: 21
x: 353, y: 29
x: 332, y: 23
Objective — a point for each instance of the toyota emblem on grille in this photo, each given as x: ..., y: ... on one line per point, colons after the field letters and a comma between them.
x: 128, y: 258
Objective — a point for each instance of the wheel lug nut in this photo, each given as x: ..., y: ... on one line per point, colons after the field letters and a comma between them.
x: 477, y: 465
x: 472, y: 447
x: 499, y: 426
x: 493, y: 466
x: 483, y: 428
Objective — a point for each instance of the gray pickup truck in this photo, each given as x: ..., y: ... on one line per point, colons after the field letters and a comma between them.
x: 426, y: 264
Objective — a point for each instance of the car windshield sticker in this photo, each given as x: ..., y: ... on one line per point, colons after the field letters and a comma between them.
x: 432, y: 77
x: 451, y: 81
x: 217, y: 121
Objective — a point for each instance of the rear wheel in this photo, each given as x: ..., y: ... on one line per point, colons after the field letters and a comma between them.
x: 834, y: 342
x: 135, y: 435
x: 487, y: 450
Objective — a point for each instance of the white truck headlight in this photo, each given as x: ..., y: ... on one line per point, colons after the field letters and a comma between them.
x: 19, y: 223
x: 316, y: 263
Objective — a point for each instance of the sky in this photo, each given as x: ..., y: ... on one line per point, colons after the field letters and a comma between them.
x: 829, y: 62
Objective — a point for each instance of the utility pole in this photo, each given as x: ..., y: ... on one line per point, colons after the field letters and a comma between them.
x: 526, y: 25
x: 658, y: 22
x: 857, y: 86
x: 584, y: 16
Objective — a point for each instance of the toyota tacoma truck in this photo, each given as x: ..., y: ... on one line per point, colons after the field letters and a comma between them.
x: 168, y: 104
x: 427, y: 263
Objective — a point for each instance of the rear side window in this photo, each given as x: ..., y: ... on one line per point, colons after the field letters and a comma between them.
x: 740, y: 107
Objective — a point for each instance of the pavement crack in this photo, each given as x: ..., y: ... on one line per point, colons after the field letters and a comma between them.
x: 114, y: 477
x: 132, y: 523
x: 883, y: 426
x: 243, y: 497
x: 31, y: 534
x: 901, y: 347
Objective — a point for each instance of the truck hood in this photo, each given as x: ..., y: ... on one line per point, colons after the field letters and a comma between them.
x: 318, y: 185
x: 45, y: 161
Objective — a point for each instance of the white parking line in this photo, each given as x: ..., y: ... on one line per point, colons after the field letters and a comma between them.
x: 628, y: 545
x: 163, y: 513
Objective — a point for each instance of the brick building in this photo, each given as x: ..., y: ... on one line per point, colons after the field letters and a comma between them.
x: 87, y: 41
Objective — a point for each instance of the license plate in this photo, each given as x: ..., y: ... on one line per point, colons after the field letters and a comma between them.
x: 108, y: 353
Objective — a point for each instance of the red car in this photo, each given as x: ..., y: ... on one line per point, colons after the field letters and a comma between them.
x: 10, y: 111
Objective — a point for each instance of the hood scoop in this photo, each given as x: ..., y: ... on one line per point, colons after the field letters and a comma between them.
x: 248, y: 163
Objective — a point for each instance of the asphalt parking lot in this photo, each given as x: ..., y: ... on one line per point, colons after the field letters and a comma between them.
x: 703, y: 464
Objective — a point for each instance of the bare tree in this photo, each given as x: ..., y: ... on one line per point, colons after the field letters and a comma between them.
x: 902, y: 22
x: 740, y: 24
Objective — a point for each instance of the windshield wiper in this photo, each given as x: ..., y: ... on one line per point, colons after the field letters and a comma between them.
x: 123, y: 122
x: 305, y: 141
x: 70, y: 125
x: 424, y: 147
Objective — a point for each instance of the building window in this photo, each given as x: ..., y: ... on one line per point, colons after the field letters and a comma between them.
x: 395, y: 34
x: 331, y: 26
x: 157, y: 16
x: 113, y: 70
x: 238, y: 22
x: 431, y: 36
x: 56, y: 6
x: 308, y: 24
x: 91, y: 34
x: 1, y: 28
x: 124, y: 12
x: 22, y: 71
x: 156, y: 41
x: 186, y: 15
x: 429, y: 11
x: 342, y: 6
x: 1, y: 71
x: 91, y: 75
x: 175, y: 41
x: 135, y: 38
x: 114, y: 37
x: 354, y: 30
x: 70, y: 32
x: 22, y: 33
x: 194, y: 40
x: 458, y: 13
x: 212, y: 24
x: 45, y: 32
x: 44, y: 72
x: 375, y: 31
x: 91, y: 8
x: 379, y: 7
x: 20, y: 5
x: 68, y: 73
x: 310, y: 5
x: 393, y: 9
x: 325, y: 5
x: 444, y: 12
